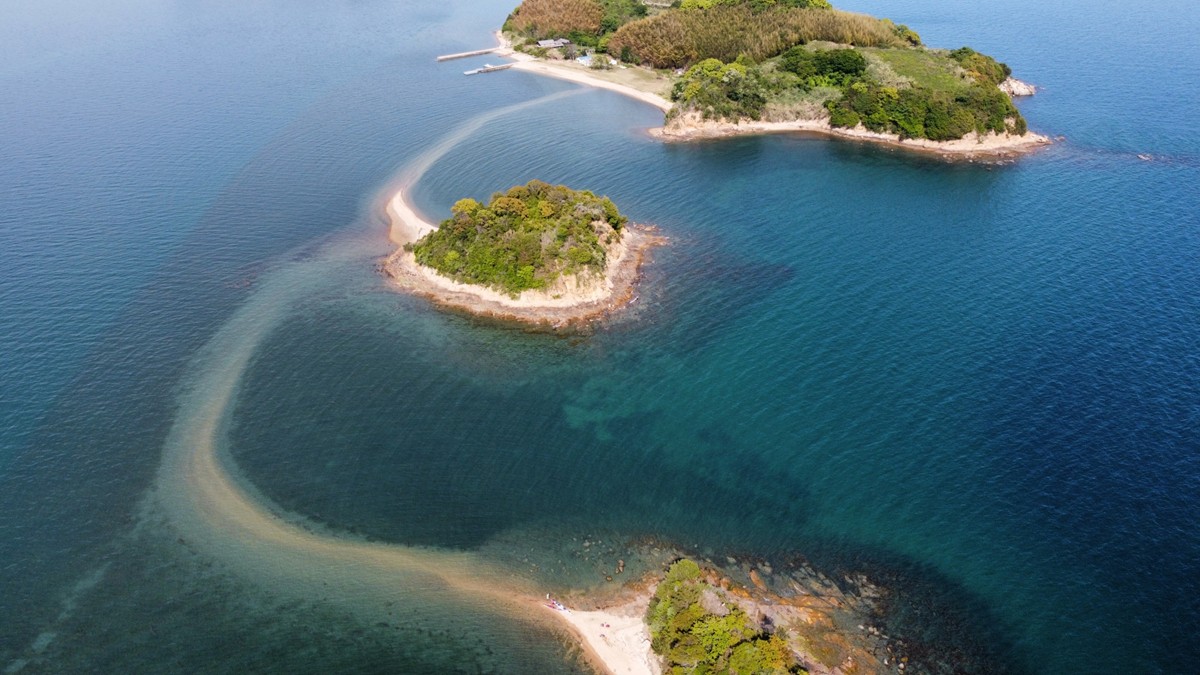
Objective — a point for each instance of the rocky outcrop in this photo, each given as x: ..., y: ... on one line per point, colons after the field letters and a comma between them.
x: 1015, y: 87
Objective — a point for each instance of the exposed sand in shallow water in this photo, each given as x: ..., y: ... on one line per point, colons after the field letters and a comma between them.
x: 215, y: 512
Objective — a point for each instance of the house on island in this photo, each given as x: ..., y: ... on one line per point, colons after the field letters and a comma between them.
x: 553, y: 44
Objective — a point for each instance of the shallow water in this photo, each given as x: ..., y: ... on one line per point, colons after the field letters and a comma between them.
x: 976, y: 382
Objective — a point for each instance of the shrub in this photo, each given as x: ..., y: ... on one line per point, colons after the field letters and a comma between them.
x: 920, y: 112
x: 982, y: 67
x: 693, y: 639
x: 718, y: 90
x: 525, y: 238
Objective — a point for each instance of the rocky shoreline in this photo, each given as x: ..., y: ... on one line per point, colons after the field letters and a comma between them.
x: 690, y: 127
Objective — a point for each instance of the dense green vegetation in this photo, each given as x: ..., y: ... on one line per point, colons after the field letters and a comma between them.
x: 721, y: 91
x: 983, y: 68
x: 824, y: 68
x: 699, y: 632
x: 523, y: 239
x: 941, y: 96
x: 790, y: 59
x: 918, y: 112
x: 913, y: 93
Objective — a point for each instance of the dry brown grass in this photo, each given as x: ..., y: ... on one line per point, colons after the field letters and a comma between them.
x: 556, y: 18
x: 677, y: 39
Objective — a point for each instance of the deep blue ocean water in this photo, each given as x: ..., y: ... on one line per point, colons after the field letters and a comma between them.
x: 980, y: 381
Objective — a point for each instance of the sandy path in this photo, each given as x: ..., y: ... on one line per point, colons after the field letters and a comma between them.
x: 216, y: 512
x: 970, y: 146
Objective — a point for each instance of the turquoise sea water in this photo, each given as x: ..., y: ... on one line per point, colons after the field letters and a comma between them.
x: 978, y: 383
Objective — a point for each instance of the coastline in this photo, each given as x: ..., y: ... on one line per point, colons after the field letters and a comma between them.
x: 972, y: 146
x: 578, y: 74
x: 616, y: 636
x: 572, y: 302
x: 200, y: 495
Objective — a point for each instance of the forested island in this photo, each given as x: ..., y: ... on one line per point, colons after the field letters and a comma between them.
x: 537, y: 253
x: 528, y: 238
x: 750, y: 65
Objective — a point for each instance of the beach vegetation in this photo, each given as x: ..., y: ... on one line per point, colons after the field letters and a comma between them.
x: 698, y: 630
x: 525, y: 238
x: 783, y: 60
x: 824, y: 67
x: 985, y: 69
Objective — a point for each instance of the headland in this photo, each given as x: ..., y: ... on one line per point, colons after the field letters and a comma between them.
x: 956, y: 104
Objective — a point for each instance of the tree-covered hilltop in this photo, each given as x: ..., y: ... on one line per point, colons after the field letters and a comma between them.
x: 526, y: 238
x: 698, y: 631
x: 784, y: 60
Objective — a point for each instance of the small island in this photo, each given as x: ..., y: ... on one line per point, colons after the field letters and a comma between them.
x: 538, y: 253
x: 745, y: 617
x: 725, y: 67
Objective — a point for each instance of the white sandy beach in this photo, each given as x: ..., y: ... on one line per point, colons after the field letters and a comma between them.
x: 578, y: 74
x: 618, y: 636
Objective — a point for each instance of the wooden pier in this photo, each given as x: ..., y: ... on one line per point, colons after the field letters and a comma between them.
x: 463, y: 55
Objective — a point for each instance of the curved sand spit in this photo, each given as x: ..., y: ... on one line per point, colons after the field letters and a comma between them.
x: 217, y: 513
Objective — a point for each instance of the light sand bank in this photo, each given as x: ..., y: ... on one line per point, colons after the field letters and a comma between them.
x: 215, y: 512
x: 618, y: 636
x: 572, y: 302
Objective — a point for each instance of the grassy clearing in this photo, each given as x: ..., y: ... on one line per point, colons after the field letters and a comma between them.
x: 930, y: 68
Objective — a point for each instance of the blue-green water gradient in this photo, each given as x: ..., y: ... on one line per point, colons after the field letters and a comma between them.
x: 982, y: 379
